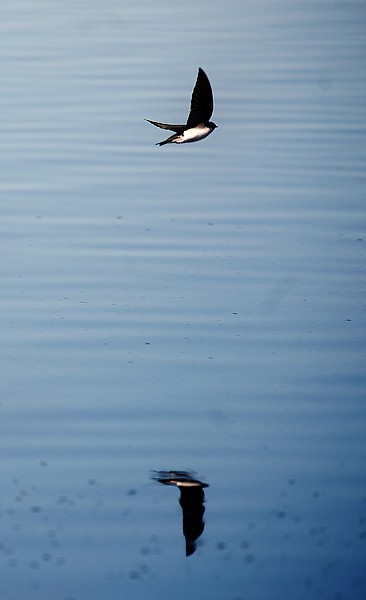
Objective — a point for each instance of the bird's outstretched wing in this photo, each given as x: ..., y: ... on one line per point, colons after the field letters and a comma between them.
x: 178, y: 478
x: 176, y: 128
x: 202, y: 103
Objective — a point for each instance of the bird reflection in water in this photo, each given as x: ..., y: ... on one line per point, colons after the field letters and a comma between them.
x: 191, y: 500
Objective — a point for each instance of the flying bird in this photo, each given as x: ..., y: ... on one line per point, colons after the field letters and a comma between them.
x: 198, y: 124
x: 192, y: 498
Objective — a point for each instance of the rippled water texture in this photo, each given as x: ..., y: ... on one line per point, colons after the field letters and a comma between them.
x: 194, y: 308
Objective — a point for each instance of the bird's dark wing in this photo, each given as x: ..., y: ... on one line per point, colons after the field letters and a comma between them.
x: 176, y: 128
x: 202, y: 104
x: 191, y: 501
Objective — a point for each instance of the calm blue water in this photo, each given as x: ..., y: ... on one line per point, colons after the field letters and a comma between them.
x: 182, y: 308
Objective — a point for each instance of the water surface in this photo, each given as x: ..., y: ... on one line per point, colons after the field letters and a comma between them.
x: 196, y: 308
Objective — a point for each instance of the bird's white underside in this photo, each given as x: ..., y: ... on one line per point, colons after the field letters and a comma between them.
x: 192, y: 135
x: 186, y: 483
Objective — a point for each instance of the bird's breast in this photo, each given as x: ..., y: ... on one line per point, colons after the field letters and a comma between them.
x: 194, y: 134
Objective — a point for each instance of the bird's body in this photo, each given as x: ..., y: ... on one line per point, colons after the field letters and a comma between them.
x: 198, y: 124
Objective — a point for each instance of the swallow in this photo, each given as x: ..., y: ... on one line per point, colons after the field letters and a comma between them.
x: 192, y: 498
x: 198, y: 124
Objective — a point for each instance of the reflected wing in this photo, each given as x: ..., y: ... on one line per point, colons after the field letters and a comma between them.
x: 202, y: 104
x: 176, y: 128
x: 191, y: 501
x: 178, y: 478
